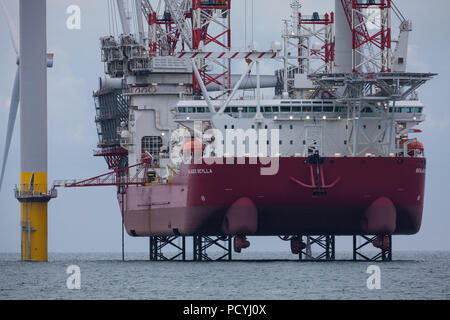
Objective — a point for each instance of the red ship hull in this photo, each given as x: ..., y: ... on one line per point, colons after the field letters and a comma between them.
x: 341, y: 196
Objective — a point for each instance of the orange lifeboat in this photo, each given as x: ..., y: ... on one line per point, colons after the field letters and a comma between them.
x: 414, y: 148
x: 192, y: 146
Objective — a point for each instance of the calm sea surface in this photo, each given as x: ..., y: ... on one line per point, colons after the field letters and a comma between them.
x: 414, y: 275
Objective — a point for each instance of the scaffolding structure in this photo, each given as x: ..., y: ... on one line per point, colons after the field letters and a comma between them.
x: 159, y: 246
x: 309, y: 48
x: 111, y: 108
x: 371, y: 46
x: 316, y: 43
x: 319, y: 248
x: 169, y: 28
x: 211, y: 24
x: 377, y: 93
x: 385, y: 248
x: 201, y: 244
x: 365, y: 248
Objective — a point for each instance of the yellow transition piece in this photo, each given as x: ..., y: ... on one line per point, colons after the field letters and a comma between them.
x: 33, y: 219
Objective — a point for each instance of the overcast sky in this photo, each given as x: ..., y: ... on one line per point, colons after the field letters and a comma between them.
x: 88, y: 220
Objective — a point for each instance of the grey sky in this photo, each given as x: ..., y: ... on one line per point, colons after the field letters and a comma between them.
x: 88, y: 219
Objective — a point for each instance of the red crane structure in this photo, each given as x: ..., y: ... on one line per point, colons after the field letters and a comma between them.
x: 371, y: 46
x: 211, y: 25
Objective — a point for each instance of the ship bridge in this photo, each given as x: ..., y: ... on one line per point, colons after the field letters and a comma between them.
x: 307, y: 126
x: 295, y: 110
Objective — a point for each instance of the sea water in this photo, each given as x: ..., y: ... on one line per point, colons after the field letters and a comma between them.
x: 413, y: 275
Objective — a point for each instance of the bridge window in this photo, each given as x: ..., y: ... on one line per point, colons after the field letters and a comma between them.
x: 151, y: 145
x: 341, y: 109
x: 317, y: 109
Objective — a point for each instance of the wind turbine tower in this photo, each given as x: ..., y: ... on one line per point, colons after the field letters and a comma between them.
x: 33, y: 192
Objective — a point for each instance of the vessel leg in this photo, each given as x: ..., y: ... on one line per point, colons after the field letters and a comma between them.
x: 183, y: 240
x: 390, y: 248
x: 158, y: 244
x: 382, y: 255
x: 319, y: 248
x: 197, y: 248
x: 121, y: 190
x: 327, y: 248
x: 333, y: 248
x: 153, y: 243
x: 230, y: 250
x: 203, y: 243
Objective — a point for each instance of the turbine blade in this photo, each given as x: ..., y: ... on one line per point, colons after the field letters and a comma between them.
x: 12, y: 29
x: 14, y: 106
